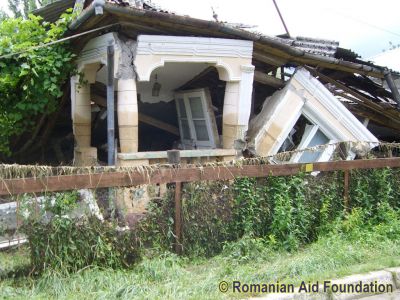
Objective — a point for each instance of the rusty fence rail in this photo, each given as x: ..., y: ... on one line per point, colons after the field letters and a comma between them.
x: 178, y: 175
x: 181, y: 174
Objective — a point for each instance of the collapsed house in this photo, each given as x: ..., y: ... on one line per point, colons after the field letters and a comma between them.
x: 211, y: 89
x: 304, y: 114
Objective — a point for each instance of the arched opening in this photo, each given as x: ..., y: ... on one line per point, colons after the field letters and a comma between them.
x: 161, y: 124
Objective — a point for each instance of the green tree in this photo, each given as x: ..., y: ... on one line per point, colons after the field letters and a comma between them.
x: 22, y: 8
x: 30, y: 82
x: 3, y: 15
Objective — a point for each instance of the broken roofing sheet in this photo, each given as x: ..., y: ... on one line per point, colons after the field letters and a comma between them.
x: 305, y: 114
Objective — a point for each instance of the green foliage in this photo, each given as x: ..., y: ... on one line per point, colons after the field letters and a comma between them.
x: 69, y: 245
x: 157, y: 230
x: 30, y: 83
x: 3, y: 15
x: 283, y: 227
x: 370, y: 188
x: 23, y: 8
x: 61, y: 242
x: 282, y: 212
x: 168, y: 276
x: 247, y: 248
x: 61, y: 203
x: 251, y: 208
x: 206, y: 211
x: 243, y: 219
x: 314, y: 223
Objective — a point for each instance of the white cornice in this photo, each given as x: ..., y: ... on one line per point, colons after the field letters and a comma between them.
x: 197, y: 46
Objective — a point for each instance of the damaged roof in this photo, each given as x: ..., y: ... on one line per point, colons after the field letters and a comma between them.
x: 148, y: 16
x: 348, y: 75
x: 53, y: 11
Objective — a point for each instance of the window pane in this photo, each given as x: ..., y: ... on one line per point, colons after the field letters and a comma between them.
x: 196, y: 107
x: 201, y: 130
x: 311, y: 156
x: 185, y: 129
x: 182, y: 109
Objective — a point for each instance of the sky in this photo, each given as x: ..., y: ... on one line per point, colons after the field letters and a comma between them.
x: 364, y: 26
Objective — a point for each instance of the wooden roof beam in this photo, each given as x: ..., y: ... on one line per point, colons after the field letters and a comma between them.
x: 358, y: 98
x: 266, y: 79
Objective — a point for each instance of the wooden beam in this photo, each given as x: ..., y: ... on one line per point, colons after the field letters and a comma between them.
x: 159, y: 124
x: 365, y: 112
x: 263, y: 78
x: 269, y: 59
x: 346, y: 197
x: 358, y: 98
x: 178, y: 217
x: 174, y: 158
x: 172, y: 175
x: 99, y: 100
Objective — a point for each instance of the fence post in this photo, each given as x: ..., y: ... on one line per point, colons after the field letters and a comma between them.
x: 346, y: 190
x: 174, y: 158
x: 178, y: 218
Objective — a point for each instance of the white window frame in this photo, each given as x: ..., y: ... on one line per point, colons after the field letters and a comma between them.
x: 209, y: 119
x: 306, y: 139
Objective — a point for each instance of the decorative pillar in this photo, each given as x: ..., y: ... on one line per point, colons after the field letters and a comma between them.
x: 237, y: 107
x: 128, y: 115
x: 82, y: 115
x: 84, y: 154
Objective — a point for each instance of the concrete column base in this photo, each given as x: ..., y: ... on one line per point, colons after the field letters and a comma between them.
x: 132, y: 202
x: 85, y: 156
x: 132, y: 163
x: 230, y: 133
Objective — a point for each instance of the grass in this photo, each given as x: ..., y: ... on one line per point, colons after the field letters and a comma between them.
x: 167, y: 276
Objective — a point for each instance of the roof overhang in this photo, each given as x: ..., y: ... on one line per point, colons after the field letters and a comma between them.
x: 185, y: 25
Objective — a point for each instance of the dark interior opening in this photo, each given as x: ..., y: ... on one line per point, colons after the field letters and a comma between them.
x: 153, y: 138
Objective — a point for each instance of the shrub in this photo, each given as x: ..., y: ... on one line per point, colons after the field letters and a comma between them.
x: 60, y: 242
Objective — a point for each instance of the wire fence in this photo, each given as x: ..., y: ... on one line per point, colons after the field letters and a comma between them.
x: 35, y: 183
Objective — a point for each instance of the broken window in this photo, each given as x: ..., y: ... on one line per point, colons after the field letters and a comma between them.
x: 196, y: 120
x: 312, y: 137
x: 305, y: 135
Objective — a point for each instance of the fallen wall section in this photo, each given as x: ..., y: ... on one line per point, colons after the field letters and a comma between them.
x: 304, y: 96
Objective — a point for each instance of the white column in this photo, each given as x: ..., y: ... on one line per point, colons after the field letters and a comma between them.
x: 84, y: 154
x: 237, y: 107
x: 82, y: 115
x: 128, y: 115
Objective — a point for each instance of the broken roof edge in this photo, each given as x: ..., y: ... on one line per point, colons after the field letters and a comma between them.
x: 335, y: 107
x: 298, y: 56
x: 303, y: 95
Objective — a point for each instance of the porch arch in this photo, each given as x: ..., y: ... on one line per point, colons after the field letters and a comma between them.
x: 232, y: 59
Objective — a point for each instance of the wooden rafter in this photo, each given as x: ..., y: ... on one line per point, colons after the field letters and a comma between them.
x: 99, y: 100
x: 263, y: 78
x: 359, y: 99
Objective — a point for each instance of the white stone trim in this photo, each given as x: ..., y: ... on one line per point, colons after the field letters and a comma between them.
x: 225, y: 70
x: 227, y: 55
x: 193, y: 46
x: 95, y: 51
x: 245, y: 95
